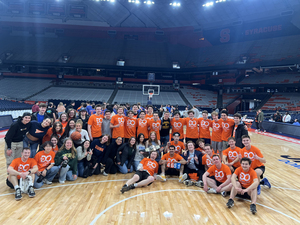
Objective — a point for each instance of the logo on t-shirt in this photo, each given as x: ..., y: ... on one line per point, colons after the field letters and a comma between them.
x: 192, y: 123
x: 249, y: 155
x: 23, y: 168
x: 244, y: 177
x: 121, y: 120
x: 151, y: 164
x: 45, y: 158
x: 232, y: 155
x: 155, y: 126
x: 177, y: 125
x: 130, y: 123
x: 225, y: 126
x: 208, y: 163
x: 204, y: 124
x: 219, y: 175
x: 99, y: 121
x: 37, y: 131
x: 216, y: 126
x: 142, y: 123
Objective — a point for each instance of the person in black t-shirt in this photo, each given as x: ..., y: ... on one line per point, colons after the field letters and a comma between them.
x: 165, y: 128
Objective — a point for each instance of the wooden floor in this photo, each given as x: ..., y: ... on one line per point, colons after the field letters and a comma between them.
x: 97, y: 200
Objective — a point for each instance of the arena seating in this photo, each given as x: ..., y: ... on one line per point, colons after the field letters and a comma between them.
x: 76, y: 83
x: 287, y: 101
x: 20, y: 88
x: 272, y: 79
x: 65, y: 93
x: 131, y: 97
x: 201, y: 98
x: 11, y: 105
x: 227, y: 98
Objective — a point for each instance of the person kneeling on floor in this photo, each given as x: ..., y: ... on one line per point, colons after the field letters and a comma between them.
x: 145, y: 174
x: 21, y: 174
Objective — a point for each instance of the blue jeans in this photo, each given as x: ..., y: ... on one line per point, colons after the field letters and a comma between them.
x: 164, y: 140
x: 33, y: 145
x: 136, y: 164
x: 49, y: 176
x: 123, y: 169
x: 80, y: 167
x: 66, y: 174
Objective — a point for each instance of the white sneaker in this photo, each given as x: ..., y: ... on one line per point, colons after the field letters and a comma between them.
x: 183, y: 178
x: 61, y: 181
x: 211, y: 191
x: 161, y: 177
x: 47, y: 181
x: 105, y: 174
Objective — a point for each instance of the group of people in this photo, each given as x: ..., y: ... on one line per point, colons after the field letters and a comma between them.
x: 201, y: 151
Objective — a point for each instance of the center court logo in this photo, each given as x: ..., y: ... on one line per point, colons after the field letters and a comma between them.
x: 219, y: 175
x: 23, y: 168
x: 192, y: 123
x: 244, y: 177
x: 151, y: 164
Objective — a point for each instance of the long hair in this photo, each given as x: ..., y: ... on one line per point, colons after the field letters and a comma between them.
x: 67, y: 129
x: 73, y: 149
x: 54, y: 125
x: 82, y: 146
x: 133, y: 146
x: 155, y: 139
x: 138, y: 139
x: 108, y: 140
x: 63, y: 114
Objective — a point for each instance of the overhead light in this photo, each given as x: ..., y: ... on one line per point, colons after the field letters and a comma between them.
x: 134, y: 1
x: 121, y: 62
x: 176, y: 65
x: 208, y: 4
x: 149, y: 2
x: 175, y: 4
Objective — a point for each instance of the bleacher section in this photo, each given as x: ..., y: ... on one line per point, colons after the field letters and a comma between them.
x: 287, y: 101
x: 10, y: 105
x: 272, y: 79
x: 20, y: 88
x: 65, y: 93
x: 200, y: 98
x: 227, y: 98
x: 131, y: 97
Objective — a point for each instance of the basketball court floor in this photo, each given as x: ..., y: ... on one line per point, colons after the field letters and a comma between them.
x: 97, y: 199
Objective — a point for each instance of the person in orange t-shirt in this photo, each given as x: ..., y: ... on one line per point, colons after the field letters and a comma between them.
x: 25, y: 168
x: 246, y: 185
x: 207, y: 158
x: 179, y: 146
x: 54, y: 141
x: 45, y: 163
x: 144, y: 175
x: 130, y: 126
x: 149, y: 115
x: 200, y: 143
x: 155, y: 125
x: 142, y: 125
x: 216, y: 134
x: 231, y: 155
x: 204, y: 125
x: 177, y: 124
x: 227, y: 126
x: 191, y: 123
x: 167, y: 164
x: 63, y: 118
x: 95, y: 124
x: 117, y: 124
x: 57, y: 129
x: 221, y: 177
x: 257, y: 158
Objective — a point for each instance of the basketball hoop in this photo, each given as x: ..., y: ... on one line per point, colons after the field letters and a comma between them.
x: 150, y: 95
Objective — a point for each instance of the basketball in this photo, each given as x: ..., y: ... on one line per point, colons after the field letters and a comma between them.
x: 75, y: 136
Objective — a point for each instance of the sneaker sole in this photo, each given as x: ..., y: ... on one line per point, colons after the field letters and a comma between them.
x: 183, y: 178
x: 31, y: 196
x: 230, y: 206
x: 18, y: 199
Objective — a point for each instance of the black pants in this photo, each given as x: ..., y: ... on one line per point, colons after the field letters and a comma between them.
x: 110, y: 166
x: 260, y: 126
x: 188, y: 170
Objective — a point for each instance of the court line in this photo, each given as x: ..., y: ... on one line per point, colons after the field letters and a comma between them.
x: 290, y: 189
x: 74, y: 184
x: 151, y: 192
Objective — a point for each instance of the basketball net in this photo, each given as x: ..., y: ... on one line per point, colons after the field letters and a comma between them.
x: 150, y: 95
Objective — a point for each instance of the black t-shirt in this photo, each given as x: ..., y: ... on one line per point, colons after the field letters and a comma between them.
x: 165, y: 127
x: 50, y: 112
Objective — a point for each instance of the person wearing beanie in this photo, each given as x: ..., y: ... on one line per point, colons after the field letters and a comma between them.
x: 14, y: 138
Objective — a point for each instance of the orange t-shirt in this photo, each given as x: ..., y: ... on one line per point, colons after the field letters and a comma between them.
x: 216, y: 134
x: 232, y: 154
x: 219, y: 174
x: 44, y: 160
x: 200, y: 150
x: 192, y: 128
x: 130, y: 127
x: 154, y: 126
x: 49, y: 133
x: 250, y: 154
x: 142, y: 127
x: 178, y: 147
x: 96, y: 125
x: 151, y: 166
x: 20, y: 166
x: 204, y: 126
x: 245, y: 178
x: 118, y: 131
x: 206, y: 161
x: 177, y: 126
x: 171, y: 160
x: 148, y: 117
x: 55, y: 149
x: 227, y: 127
